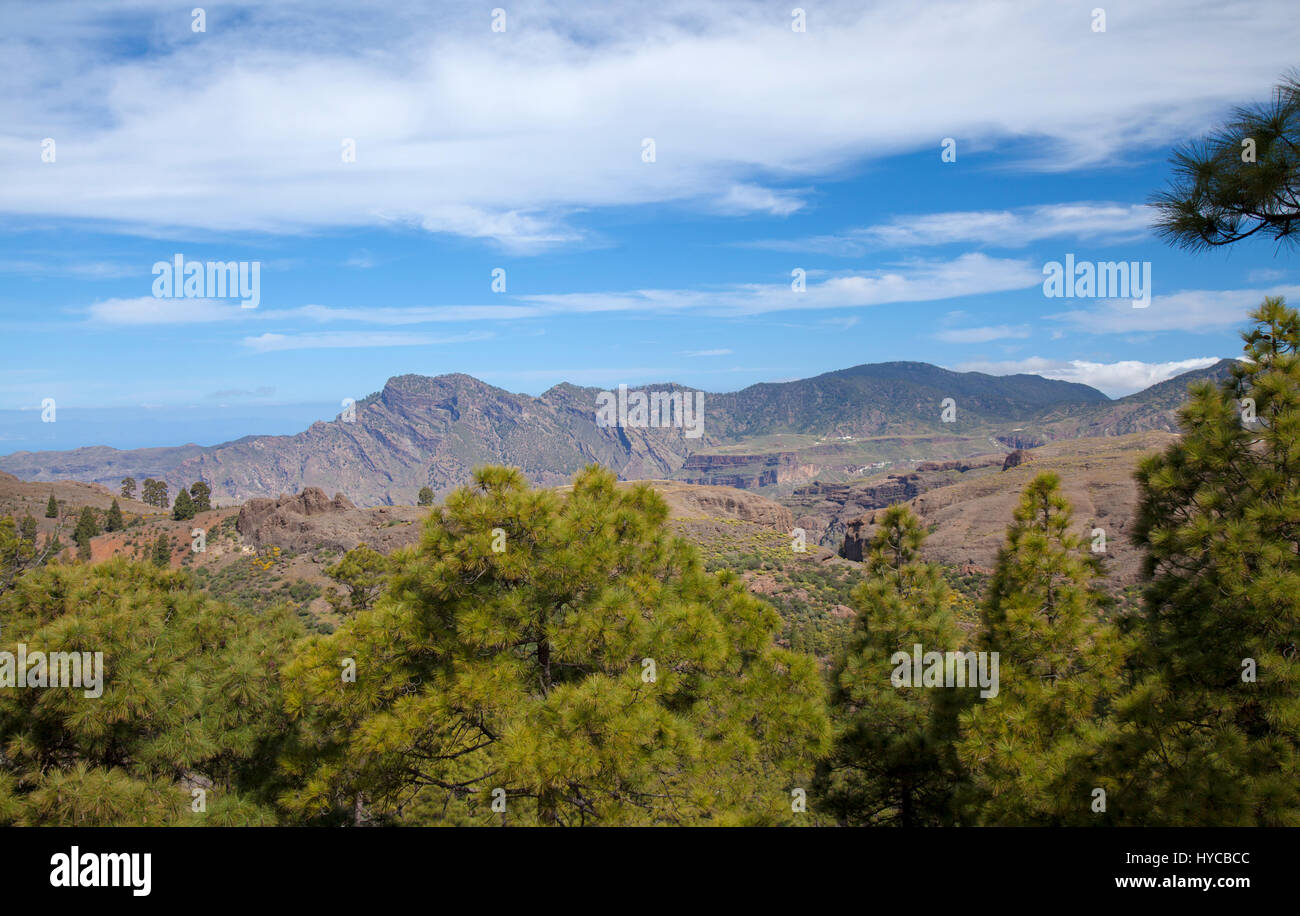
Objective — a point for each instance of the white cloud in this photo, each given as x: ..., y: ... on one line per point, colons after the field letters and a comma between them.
x: 984, y: 334
x: 1114, y: 379
x: 915, y: 281
x: 412, y: 315
x: 270, y: 343
x: 1190, y: 310
x: 504, y: 136
x: 749, y: 198
x: 148, y: 310
x: 991, y: 228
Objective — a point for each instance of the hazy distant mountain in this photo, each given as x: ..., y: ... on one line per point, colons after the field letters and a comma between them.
x: 422, y: 431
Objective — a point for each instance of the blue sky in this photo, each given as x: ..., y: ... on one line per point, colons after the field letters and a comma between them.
x: 522, y: 149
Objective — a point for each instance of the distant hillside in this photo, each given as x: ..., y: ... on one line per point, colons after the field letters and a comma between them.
x: 433, y: 431
x: 1154, y: 408
x: 968, y: 517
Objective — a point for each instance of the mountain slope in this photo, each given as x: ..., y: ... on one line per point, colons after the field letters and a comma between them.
x: 433, y: 431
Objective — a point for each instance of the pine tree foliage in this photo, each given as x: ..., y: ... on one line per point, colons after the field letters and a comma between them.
x: 200, y: 497
x: 363, y: 573
x: 1242, y: 181
x: 1211, y: 732
x: 86, y: 529
x: 114, y: 521
x: 191, y: 691
x: 590, y: 673
x: 893, y: 761
x: 162, y: 551
x: 183, y: 508
x: 1027, y: 749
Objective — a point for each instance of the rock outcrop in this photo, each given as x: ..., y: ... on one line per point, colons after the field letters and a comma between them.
x: 310, y: 520
x: 1015, y: 459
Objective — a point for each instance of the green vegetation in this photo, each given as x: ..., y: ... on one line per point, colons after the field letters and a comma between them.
x: 1209, y: 733
x: 592, y: 667
x: 190, y: 686
x: 894, y: 761
x: 162, y: 551
x: 1026, y: 749
x: 184, y: 507
x: 52, y: 508
x: 128, y: 488
x: 245, y: 583
x: 200, y: 496
x: 86, y: 529
x: 154, y: 493
x: 592, y: 672
x: 363, y: 573
x: 114, y: 520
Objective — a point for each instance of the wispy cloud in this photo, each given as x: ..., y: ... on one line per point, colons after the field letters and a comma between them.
x: 916, y: 281
x: 413, y: 315
x: 718, y: 352
x: 1190, y: 310
x: 61, y: 266
x: 1108, y: 222
x: 148, y: 310
x: 271, y: 343
x: 984, y: 334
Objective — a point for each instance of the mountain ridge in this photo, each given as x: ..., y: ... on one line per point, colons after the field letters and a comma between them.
x: 432, y: 431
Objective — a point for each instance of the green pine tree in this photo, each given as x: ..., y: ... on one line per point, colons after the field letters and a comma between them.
x: 591, y: 672
x: 86, y: 529
x: 363, y: 573
x: 201, y: 496
x: 1242, y: 181
x: 1210, y: 734
x: 17, y: 554
x: 162, y: 551
x: 114, y: 521
x: 28, y: 529
x: 184, y: 507
x: 52, y: 508
x: 189, y: 687
x: 1027, y: 748
x: 154, y: 493
x: 425, y: 498
x: 128, y: 488
x: 893, y: 762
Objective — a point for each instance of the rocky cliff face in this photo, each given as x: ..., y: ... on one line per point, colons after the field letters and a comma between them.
x: 311, y: 520
x: 830, y: 508
x: 745, y: 472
